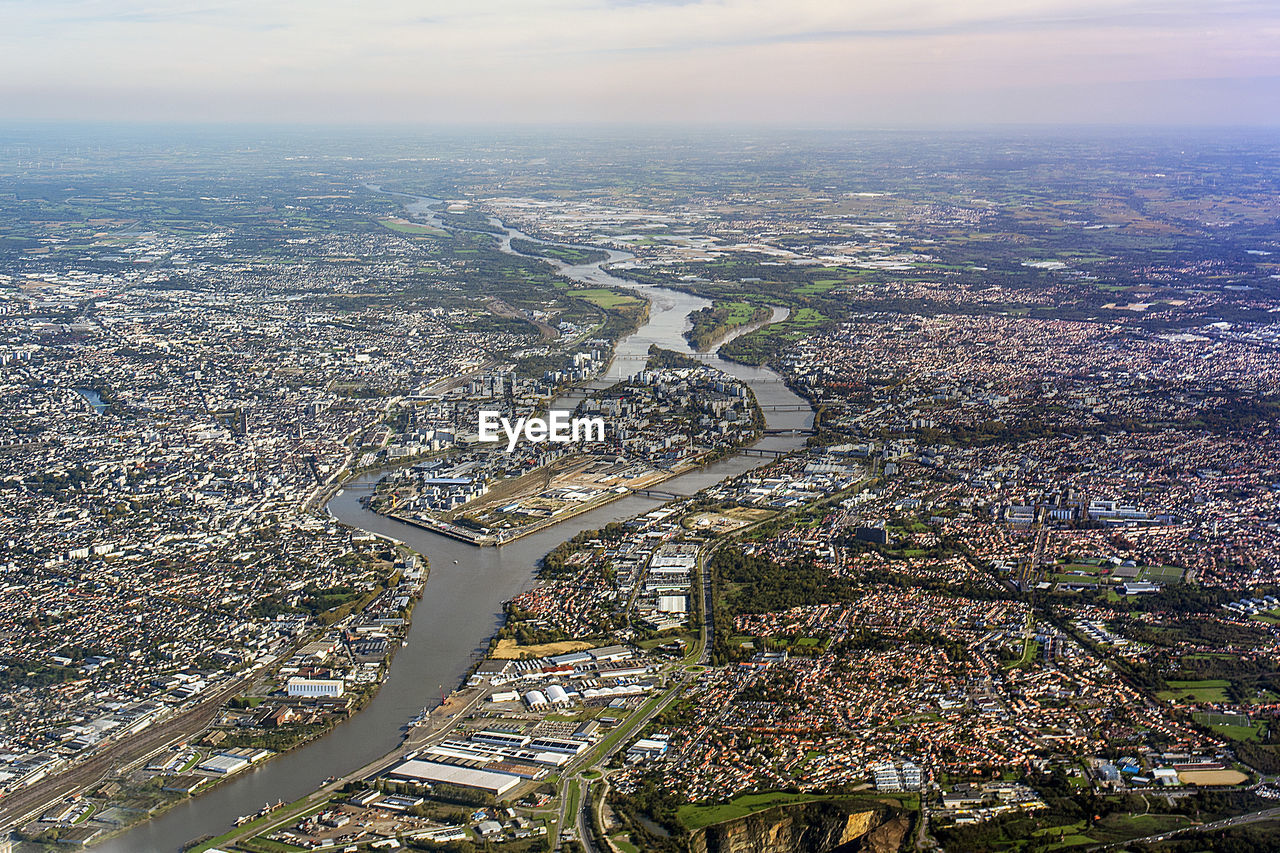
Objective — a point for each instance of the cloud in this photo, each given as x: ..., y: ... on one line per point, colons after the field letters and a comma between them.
x: 524, y: 60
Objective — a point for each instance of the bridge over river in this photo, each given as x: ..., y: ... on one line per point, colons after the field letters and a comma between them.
x: 462, y: 605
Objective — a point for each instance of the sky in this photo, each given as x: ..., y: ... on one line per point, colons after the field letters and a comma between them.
x: 858, y: 63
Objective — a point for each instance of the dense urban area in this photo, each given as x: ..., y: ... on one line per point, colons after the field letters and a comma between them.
x: 1008, y: 578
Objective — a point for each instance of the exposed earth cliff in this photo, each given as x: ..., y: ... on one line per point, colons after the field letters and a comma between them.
x: 807, y: 828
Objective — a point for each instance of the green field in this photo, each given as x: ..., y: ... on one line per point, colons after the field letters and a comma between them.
x: 1209, y: 690
x: 623, y: 843
x: 1209, y: 718
x: 738, y: 312
x: 568, y: 254
x: 759, y: 345
x: 1085, y: 568
x: 1271, y: 617
x: 711, y: 324
x: 606, y: 299
x: 806, y: 317
x: 819, y: 286
x: 571, y: 807
x: 1233, y: 726
x: 1161, y: 574
x: 1112, y: 829
x: 1249, y: 733
x: 293, y: 810
x: 410, y: 228
x: 695, y: 817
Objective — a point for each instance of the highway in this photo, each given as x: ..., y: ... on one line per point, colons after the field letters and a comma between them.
x: 583, y: 819
x: 1226, y: 823
x: 633, y: 725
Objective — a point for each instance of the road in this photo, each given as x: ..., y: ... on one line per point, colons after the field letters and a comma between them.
x: 634, y: 725
x: 446, y: 717
x: 583, y: 820
x: 1241, y: 820
x: 29, y: 802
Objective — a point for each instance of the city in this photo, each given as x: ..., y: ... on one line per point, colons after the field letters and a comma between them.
x: 892, y: 533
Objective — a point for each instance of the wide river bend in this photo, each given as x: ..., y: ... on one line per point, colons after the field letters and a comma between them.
x: 462, y: 603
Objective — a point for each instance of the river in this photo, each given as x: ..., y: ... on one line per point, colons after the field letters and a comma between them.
x: 93, y: 398
x: 462, y: 603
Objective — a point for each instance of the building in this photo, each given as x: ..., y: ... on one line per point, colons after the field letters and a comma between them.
x: 430, y: 772
x: 876, y: 534
x: 673, y: 604
x: 224, y: 764
x: 647, y: 748
x: 674, y: 558
x: 911, y: 776
x: 887, y: 778
x: 314, y: 688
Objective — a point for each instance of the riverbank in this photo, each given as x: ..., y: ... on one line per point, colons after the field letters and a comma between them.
x: 462, y: 605
x: 439, y: 720
x: 190, y: 724
x: 479, y: 539
x: 712, y: 326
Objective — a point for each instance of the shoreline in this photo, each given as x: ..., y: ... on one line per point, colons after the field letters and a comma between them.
x: 408, y: 731
x: 482, y: 540
x: 219, y: 702
x: 455, y: 703
x: 315, y: 504
x: 243, y: 682
x: 728, y: 333
x: 414, y: 735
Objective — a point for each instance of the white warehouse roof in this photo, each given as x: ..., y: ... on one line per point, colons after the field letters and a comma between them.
x: 429, y: 771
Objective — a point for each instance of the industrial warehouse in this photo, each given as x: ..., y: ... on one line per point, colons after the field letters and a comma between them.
x: 432, y: 772
x: 509, y: 739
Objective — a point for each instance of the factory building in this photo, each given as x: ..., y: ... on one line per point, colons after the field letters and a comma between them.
x: 430, y: 772
x: 314, y: 688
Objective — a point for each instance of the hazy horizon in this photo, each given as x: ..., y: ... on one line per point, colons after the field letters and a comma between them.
x: 811, y: 62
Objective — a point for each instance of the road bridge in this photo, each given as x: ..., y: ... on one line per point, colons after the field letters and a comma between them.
x: 657, y: 493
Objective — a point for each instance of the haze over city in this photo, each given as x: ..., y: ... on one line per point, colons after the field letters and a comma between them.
x: 815, y: 62
x: 705, y: 426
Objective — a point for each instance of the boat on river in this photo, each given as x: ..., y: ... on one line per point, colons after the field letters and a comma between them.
x: 266, y: 809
